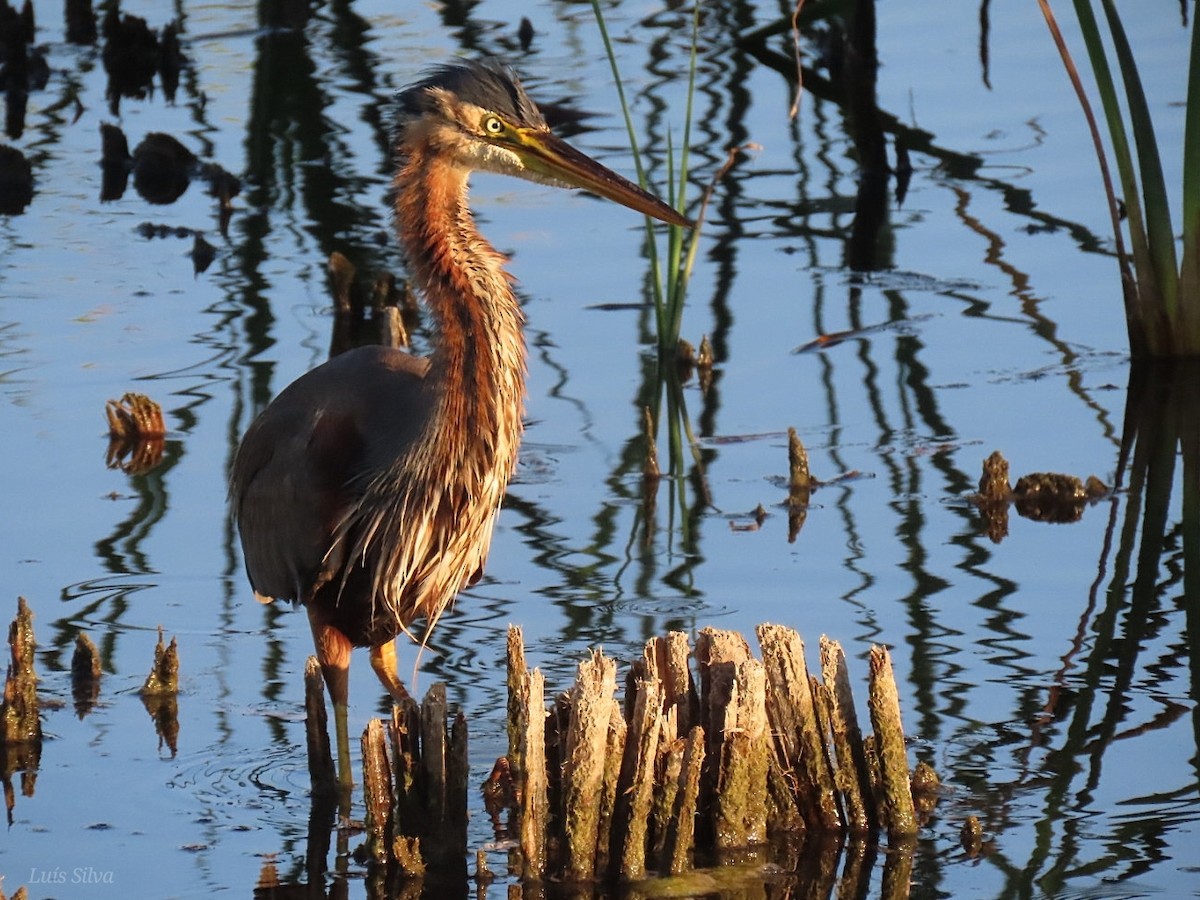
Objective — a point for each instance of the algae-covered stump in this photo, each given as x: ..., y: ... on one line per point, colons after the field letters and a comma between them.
x: 20, y: 722
x: 700, y: 765
x: 160, y: 692
x: 415, y: 785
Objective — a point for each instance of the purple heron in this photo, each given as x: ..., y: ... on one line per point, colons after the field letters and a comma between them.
x: 368, y: 488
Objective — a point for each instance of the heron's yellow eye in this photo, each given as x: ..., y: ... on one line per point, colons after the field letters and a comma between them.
x: 492, y: 125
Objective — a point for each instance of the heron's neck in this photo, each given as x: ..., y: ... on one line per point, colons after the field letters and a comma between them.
x: 478, y: 358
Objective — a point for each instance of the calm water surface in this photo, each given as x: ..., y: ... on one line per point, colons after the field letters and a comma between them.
x: 1047, y: 676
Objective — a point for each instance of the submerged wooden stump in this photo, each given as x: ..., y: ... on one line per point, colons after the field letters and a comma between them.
x: 20, y: 716
x: 415, y: 788
x: 160, y: 692
x: 20, y: 721
x: 85, y: 674
x: 609, y: 790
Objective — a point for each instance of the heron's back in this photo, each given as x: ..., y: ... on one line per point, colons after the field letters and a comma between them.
x: 306, y: 461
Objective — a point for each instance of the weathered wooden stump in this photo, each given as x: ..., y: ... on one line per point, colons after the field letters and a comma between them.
x: 605, y: 790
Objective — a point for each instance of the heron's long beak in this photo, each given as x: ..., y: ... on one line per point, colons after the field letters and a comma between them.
x: 552, y: 157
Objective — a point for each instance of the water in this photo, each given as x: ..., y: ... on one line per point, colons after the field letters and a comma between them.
x: 1054, y: 696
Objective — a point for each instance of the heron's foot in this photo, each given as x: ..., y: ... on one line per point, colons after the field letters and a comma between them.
x: 383, y: 661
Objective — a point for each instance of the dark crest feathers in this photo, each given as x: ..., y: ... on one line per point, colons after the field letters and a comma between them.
x: 488, y: 84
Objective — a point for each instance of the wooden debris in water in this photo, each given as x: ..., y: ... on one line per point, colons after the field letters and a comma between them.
x: 994, y: 483
x: 134, y: 417
x: 1055, y: 497
x: 20, y: 721
x: 925, y: 789
x: 583, y: 763
x: 800, y: 485
x: 136, y: 433
x: 802, y: 748
x: 760, y: 745
x: 733, y: 704
x: 377, y: 794
x: 408, y: 814
x: 415, y: 786
x: 164, y: 674
x: 971, y: 836
x: 341, y: 282
x: 160, y: 693
x: 853, y: 775
x: 799, y: 479
x: 527, y: 756
x: 1041, y: 496
x: 895, y: 788
x: 321, y: 771
x: 392, y: 332
x: 390, y: 304
x: 677, y: 828
x: 85, y: 674
x: 632, y: 813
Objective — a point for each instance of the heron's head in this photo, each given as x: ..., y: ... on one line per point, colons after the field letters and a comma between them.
x: 477, y: 115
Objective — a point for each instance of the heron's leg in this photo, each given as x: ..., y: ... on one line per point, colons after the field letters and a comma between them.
x: 383, y: 661
x: 333, y: 653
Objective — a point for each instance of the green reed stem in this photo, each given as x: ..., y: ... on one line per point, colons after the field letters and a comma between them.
x: 1159, y: 233
x: 1162, y: 292
x: 669, y: 287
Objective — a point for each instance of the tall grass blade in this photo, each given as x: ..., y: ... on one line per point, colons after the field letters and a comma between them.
x: 1159, y: 233
x: 1129, y: 284
x: 669, y: 283
x: 1189, y: 276
x: 1144, y: 312
x: 651, y: 244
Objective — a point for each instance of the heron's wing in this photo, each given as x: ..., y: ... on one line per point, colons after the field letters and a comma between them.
x: 299, y: 465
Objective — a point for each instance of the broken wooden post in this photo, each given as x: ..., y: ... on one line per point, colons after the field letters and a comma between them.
x: 740, y: 807
x: 583, y: 766
x: 408, y: 811
x: 163, y: 679
x: 321, y: 773
x: 535, y: 801
x: 443, y: 774
x: 894, y: 787
x: 637, y: 779
x: 415, y: 787
x: 801, y: 745
x: 680, y: 833
x: 769, y: 747
x: 800, y: 485
x: 377, y: 792
x: 853, y: 775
